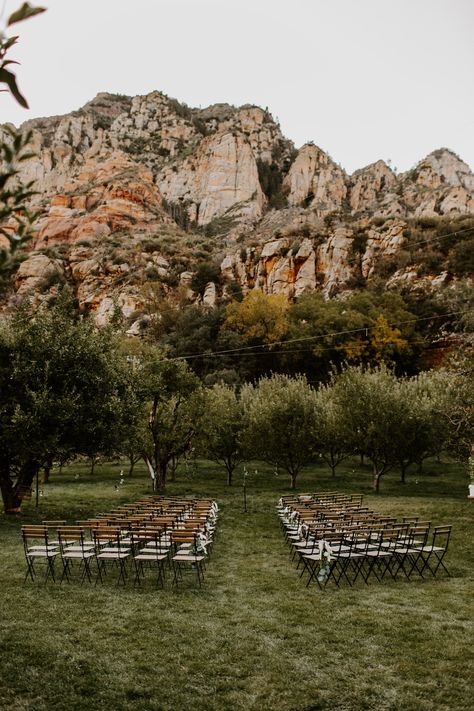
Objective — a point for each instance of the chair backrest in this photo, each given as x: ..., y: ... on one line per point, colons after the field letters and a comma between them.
x: 32, y: 533
x: 441, y: 536
x: 419, y: 534
x: 107, y: 534
x: 183, y: 537
x: 71, y: 535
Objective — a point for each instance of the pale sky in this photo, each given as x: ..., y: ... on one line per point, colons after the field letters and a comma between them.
x: 363, y: 79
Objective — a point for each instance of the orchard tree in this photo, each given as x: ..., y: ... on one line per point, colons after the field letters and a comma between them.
x: 221, y: 426
x: 61, y: 389
x: 172, y: 393
x: 281, y: 420
x: 422, y: 431
x: 459, y: 412
x: 330, y: 439
x: 133, y: 417
x: 373, y: 410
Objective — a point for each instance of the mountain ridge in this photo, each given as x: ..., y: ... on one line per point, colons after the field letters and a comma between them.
x: 140, y: 190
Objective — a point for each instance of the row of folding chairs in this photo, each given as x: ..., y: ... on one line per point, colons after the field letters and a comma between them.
x: 131, y: 544
x: 340, y: 544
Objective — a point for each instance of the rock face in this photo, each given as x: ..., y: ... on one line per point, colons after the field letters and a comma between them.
x: 222, y: 174
x: 441, y: 184
x: 371, y: 186
x: 104, y: 198
x: 37, y: 271
x: 206, y: 161
x: 315, y: 181
x: 126, y: 184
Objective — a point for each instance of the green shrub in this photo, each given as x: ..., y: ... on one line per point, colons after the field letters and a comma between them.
x: 179, y: 212
x: 205, y: 273
x: 54, y: 278
x: 200, y: 126
x: 180, y: 109
x: 359, y: 243
x: 151, y: 273
x: 431, y: 262
x: 220, y: 225
x: 378, y: 221
x: 461, y: 259
x: 427, y: 222
x: 271, y: 182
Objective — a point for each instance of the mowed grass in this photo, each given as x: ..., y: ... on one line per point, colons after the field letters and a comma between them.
x: 254, y: 637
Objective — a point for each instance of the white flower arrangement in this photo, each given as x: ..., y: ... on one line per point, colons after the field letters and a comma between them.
x: 470, y: 468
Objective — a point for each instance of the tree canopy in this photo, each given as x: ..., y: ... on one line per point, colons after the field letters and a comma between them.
x: 62, y: 384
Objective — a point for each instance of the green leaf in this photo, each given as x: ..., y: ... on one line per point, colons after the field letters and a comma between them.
x: 23, y: 13
x: 9, y: 43
x: 9, y: 79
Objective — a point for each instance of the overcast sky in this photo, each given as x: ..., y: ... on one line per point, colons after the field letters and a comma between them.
x: 363, y: 79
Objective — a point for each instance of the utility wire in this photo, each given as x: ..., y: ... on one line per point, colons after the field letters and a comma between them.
x: 347, y: 348
x: 336, y: 333
x: 270, y: 346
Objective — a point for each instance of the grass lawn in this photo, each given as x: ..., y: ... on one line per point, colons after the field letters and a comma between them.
x: 253, y: 637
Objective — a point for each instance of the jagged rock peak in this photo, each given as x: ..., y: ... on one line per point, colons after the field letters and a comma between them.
x: 315, y: 181
x: 378, y: 166
x: 231, y: 165
x: 448, y: 166
x: 369, y: 185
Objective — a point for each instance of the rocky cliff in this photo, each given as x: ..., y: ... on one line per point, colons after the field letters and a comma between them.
x: 135, y: 193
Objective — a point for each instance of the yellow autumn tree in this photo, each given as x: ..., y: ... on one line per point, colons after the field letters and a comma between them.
x: 259, y: 317
x: 381, y: 344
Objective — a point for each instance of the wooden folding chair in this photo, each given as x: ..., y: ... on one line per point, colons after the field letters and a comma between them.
x: 112, y: 551
x: 186, y: 557
x: 435, y: 550
x: 151, y: 553
x: 75, y: 547
x: 37, y: 546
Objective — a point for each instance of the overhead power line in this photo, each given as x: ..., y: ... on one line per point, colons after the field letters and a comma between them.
x: 257, y: 349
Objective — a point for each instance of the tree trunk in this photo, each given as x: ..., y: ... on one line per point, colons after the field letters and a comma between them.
x: 133, y: 459
x: 13, y: 495
x: 230, y: 471
x: 151, y: 471
x: 161, y: 473
x: 11, y: 502
x: 376, y: 479
x: 293, y: 480
x: 93, y: 463
x: 173, y: 467
x: 403, y: 469
x: 362, y: 459
x: 46, y: 472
